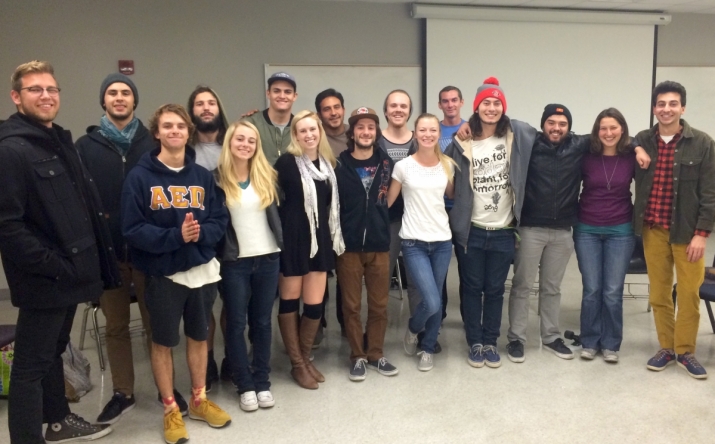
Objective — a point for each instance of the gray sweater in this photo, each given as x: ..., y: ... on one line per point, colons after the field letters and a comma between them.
x: 520, y: 137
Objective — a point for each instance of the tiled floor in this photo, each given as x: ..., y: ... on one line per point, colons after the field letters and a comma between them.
x: 544, y: 400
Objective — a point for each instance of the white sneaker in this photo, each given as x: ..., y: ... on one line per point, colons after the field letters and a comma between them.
x: 425, y: 363
x: 410, y: 342
x: 265, y: 399
x: 610, y: 356
x: 248, y: 402
x: 588, y: 353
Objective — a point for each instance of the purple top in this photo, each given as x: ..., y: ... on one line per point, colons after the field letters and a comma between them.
x: 599, y: 205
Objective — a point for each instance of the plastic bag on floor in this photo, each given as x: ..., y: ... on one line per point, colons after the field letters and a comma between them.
x: 76, y: 367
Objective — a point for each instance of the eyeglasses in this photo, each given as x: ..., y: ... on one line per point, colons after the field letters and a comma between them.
x: 37, y: 90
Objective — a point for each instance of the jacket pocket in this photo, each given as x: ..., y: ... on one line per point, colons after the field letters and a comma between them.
x: 690, y: 169
x: 52, y: 183
x: 82, y: 255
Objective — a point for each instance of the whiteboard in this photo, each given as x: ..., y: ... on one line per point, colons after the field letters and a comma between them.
x: 699, y: 83
x: 533, y: 70
x: 360, y: 85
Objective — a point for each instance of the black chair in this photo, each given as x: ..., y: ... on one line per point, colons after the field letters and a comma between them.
x: 637, y: 265
x: 707, y: 294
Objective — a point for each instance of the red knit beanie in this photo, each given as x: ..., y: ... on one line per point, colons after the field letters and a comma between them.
x: 490, y: 88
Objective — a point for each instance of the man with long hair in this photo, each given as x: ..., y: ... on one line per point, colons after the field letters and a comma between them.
x: 490, y: 178
x: 209, y: 119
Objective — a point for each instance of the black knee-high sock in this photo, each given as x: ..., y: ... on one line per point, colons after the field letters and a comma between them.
x: 288, y: 306
x: 312, y: 311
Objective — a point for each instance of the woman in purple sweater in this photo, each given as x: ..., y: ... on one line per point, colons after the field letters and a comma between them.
x: 603, y: 237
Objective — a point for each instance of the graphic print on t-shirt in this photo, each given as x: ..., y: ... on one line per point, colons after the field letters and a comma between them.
x: 367, y: 175
x: 491, y: 183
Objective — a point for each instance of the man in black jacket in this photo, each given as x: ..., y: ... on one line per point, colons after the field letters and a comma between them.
x: 56, y: 252
x: 363, y: 177
x: 109, y: 151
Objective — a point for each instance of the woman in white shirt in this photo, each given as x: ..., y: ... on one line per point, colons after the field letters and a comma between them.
x: 424, y: 178
x: 250, y: 254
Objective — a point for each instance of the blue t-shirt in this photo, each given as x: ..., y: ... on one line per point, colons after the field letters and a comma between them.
x: 447, y: 134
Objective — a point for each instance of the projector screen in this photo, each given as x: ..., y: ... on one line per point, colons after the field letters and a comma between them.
x: 586, y: 67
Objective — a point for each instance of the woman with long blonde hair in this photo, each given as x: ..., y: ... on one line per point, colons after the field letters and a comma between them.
x: 250, y: 259
x: 424, y: 178
x: 310, y: 212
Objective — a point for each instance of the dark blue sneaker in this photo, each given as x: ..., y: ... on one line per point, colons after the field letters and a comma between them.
x: 661, y: 360
x: 475, y: 357
x: 692, y: 366
x: 491, y: 356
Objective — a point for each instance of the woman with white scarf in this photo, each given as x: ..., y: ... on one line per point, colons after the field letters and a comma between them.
x: 310, y: 217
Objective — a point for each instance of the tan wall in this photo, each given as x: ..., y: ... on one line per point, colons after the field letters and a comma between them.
x: 689, y: 40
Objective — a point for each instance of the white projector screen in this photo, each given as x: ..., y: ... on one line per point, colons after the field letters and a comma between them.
x: 586, y: 67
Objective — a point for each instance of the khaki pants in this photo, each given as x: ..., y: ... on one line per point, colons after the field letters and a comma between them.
x: 351, y: 269
x: 116, y: 308
x: 674, y: 332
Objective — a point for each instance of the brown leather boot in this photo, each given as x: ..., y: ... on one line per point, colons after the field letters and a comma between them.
x: 288, y: 323
x: 308, y: 330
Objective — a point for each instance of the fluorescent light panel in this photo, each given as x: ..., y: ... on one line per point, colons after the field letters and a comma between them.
x: 456, y: 12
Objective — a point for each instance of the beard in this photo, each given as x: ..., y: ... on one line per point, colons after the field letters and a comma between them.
x: 210, y: 126
x: 361, y: 146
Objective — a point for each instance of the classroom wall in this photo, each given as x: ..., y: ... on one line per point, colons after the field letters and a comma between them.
x: 174, y: 47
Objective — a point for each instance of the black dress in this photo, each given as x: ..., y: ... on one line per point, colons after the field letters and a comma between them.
x: 295, y: 255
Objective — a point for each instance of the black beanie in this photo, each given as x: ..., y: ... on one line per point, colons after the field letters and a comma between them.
x: 117, y: 77
x: 555, y: 108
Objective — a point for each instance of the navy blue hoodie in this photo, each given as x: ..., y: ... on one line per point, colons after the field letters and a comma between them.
x: 155, y: 201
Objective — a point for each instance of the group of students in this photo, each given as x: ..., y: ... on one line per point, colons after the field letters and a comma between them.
x: 266, y: 207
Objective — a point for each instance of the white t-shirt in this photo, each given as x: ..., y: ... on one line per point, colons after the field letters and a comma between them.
x: 198, y: 276
x: 423, y: 188
x: 493, y: 198
x: 250, y: 223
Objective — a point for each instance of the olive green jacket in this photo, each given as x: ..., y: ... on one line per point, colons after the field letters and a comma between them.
x: 693, y: 183
x: 273, y: 141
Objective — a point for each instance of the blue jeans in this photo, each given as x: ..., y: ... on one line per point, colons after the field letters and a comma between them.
x: 603, y: 261
x: 484, y: 266
x: 249, y: 290
x: 427, y: 264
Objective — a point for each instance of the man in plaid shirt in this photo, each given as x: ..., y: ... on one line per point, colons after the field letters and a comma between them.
x: 674, y: 212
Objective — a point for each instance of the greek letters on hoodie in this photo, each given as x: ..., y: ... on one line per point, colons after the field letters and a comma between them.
x: 155, y: 201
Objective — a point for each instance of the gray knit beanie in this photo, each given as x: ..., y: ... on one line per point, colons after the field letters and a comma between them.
x: 117, y: 77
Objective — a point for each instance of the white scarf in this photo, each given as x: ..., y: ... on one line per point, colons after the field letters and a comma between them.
x: 308, y: 172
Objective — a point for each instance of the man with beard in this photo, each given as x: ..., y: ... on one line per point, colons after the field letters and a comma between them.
x: 274, y: 122
x: 109, y: 151
x: 331, y: 108
x: 210, y: 120
x: 56, y: 252
x: 364, y: 175
x: 208, y: 116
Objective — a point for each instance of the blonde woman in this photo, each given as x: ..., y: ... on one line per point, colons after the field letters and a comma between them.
x: 424, y: 178
x: 249, y: 256
x: 310, y: 213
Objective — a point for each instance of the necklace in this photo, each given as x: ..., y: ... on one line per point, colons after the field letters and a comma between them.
x: 608, y: 181
x: 245, y: 184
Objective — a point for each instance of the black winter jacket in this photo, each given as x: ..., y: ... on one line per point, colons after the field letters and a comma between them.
x: 55, y: 244
x: 109, y: 168
x: 364, y: 217
x: 553, y: 182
